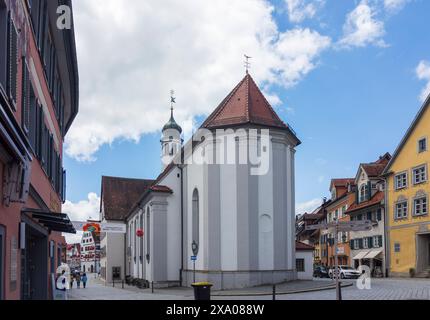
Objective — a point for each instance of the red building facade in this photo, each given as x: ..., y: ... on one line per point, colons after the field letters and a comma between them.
x: 38, y: 102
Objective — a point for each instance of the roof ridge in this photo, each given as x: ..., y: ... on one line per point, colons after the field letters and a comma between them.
x: 221, y: 106
x: 268, y: 104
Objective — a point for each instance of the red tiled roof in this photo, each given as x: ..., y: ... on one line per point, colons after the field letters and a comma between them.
x: 300, y: 246
x: 245, y: 104
x: 119, y: 194
x: 377, y: 198
x: 160, y: 188
x: 375, y: 169
x: 342, y: 182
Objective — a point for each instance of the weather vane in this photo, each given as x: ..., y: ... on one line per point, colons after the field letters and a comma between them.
x: 172, y: 99
x: 247, y: 63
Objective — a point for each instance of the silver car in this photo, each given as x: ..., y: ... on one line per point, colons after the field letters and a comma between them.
x: 345, y: 272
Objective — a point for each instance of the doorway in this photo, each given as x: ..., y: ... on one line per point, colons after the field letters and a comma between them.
x: 34, y: 265
x: 423, y: 252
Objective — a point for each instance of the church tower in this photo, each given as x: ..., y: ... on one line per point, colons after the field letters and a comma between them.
x: 171, y: 140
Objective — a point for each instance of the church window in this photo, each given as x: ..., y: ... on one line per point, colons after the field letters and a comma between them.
x: 196, y: 218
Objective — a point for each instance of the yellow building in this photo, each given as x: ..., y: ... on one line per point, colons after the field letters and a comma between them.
x: 407, y: 195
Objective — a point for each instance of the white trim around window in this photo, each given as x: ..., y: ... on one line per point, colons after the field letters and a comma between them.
x: 401, y: 180
x: 419, y: 174
x: 401, y: 210
x: 420, y: 206
x: 422, y: 145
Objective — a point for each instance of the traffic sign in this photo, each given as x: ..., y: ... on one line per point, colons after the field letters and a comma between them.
x: 193, y: 258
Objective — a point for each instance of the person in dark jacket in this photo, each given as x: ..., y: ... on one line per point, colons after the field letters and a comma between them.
x: 78, y: 280
x: 84, y: 280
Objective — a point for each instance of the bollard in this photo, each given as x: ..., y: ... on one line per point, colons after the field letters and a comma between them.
x: 274, y: 292
x: 152, y: 286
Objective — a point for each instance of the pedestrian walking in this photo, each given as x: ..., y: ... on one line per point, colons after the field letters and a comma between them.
x: 72, y: 278
x: 78, y: 280
x: 84, y: 280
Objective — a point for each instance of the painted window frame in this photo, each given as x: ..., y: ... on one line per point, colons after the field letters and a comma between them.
x: 401, y: 202
x: 362, y: 193
x: 405, y: 180
x: 423, y: 166
x: 419, y: 150
x: 414, y: 208
x: 365, y: 243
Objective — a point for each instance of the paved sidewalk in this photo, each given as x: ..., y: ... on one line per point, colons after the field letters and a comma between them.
x: 381, y: 289
x: 98, y: 290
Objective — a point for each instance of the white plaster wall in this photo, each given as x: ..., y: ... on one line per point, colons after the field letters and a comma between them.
x: 265, y: 217
x: 195, y: 174
x: 114, y: 253
x: 309, y: 265
x: 173, y: 181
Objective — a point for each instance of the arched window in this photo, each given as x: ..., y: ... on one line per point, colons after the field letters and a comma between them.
x: 196, y: 222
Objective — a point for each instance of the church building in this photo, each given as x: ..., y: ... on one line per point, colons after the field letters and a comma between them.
x: 223, y: 208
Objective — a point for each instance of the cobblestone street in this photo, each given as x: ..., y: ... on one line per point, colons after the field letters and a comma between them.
x: 381, y: 289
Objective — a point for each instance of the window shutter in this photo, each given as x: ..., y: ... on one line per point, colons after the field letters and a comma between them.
x: 360, y: 243
x: 32, y: 118
x: 13, y: 61
x: 357, y: 195
x: 368, y: 190
x: 25, y: 98
x: 369, y: 216
x: 351, y: 244
x: 63, y: 186
x: 380, y: 241
x: 39, y: 131
x: 379, y: 214
x: 370, y: 241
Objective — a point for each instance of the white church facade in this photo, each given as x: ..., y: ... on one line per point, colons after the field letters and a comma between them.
x: 223, y: 209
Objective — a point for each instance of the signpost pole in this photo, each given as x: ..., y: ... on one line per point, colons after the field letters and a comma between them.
x: 194, y: 271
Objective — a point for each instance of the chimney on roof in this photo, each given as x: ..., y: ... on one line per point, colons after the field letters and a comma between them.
x: 324, y: 200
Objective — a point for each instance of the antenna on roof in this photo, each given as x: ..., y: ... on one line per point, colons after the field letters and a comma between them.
x: 247, y: 63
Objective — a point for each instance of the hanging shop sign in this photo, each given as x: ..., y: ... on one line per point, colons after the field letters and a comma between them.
x: 97, y: 227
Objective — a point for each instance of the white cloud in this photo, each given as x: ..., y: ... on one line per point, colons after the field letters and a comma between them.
x: 130, y: 56
x: 423, y: 73
x: 394, y: 6
x: 308, y: 206
x: 299, y: 10
x: 81, y: 211
x: 362, y: 28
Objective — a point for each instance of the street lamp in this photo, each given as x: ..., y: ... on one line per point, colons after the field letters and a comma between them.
x: 195, y: 247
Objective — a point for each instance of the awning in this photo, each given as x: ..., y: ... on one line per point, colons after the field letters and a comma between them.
x: 53, y: 221
x: 372, y: 254
x: 360, y: 255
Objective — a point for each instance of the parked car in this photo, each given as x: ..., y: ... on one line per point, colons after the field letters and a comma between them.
x: 345, y: 272
x: 320, y: 272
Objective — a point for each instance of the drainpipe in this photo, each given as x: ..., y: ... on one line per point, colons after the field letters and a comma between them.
x: 386, y: 240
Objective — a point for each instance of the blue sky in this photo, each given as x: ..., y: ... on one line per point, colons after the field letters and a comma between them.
x: 353, y: 105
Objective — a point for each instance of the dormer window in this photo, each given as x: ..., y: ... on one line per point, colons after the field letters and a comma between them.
x: 363, y: 193
x: 422, y: 145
